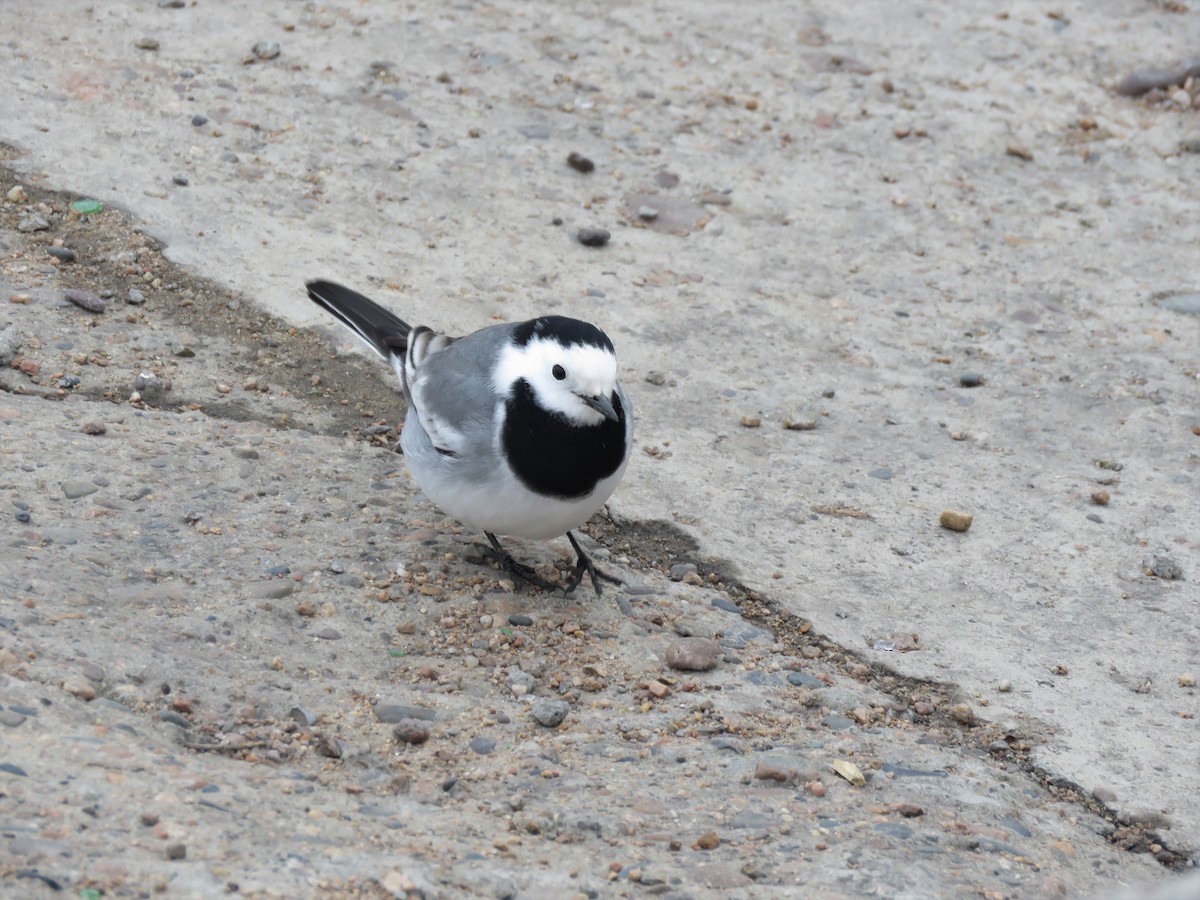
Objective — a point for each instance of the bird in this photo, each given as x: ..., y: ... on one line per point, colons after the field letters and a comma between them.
x: 520, y: 429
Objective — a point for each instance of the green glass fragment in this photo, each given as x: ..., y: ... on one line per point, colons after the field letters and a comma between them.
x: 87, y: 207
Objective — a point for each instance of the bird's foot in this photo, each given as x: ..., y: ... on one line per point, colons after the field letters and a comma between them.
x: 583, y: 563
x: 518, y: 570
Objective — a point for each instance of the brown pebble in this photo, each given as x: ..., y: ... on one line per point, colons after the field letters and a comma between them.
x: 306, y: 608
x: 176, y: 851
x: 751, y: 421
x: 910, y: 810
x: 707, y: 841
x: 1101, y: 498
x: 694, y: 654
x: 766, y: 771
x: 148, y: 819
x: 1196, y: 428
x: 963, y: 714
x: 955, y: 521
x: 411, y: 731
x: 1020, y: 151
x: 816, y: 788
x: 658, y: 689
x: 94, y: 428
x: 85, y: 300
x: 79, y: 686
x: 29, y: 367
x: 580, y: 163
x: 922, y: 708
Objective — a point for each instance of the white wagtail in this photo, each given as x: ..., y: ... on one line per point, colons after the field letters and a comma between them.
x: 520, y: 429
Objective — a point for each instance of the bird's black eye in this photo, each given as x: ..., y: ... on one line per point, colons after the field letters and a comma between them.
x: 559, y: 372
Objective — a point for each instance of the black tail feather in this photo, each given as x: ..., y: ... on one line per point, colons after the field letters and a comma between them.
x: 383, y: 331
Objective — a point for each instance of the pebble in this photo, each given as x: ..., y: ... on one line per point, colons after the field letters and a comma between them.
x: 482, y: 745
x: 1101, y: 498
x: 550, y: 713
x: 767, y: 771
x: 11, y: 719
x: 146, y: 43
x: 520, y: 620
x: 172, y: 4
x: 62, y: 254
x: 970, y: 379
x: 411, y: 731
x: 10, y: 342
x: 74, y: 488
x: 707, y: 841
x: 580, y: 163
x: 647, y: 213
x: 136, y: 297
x: 392, y: 713
x: 910, y: 810
x: 302, y: 717
x: 883, y: 474
x: 85, y: 300
x: 32, y: 222
x: 656, y: 378
x: 694, y: 654
x: 1187, y: 680
x: 198, y: 120
x: 181, y: 180
x: 93, y: 427
x: 1104, y: 795
x: 588, y: 236
x: 93, y: 672
x: 657, y: 689
x: 1188, y: 304
x: 680, y: 571
x: 176, y: 851
x: 800, y: 422
x: 751, y: 421
x: 1020, y: 151
x: 804, y: 680
x: 266, y: 49
x: 12, y: 769
x: 1004, y: 687
x: 955, y: 521
x: 963, y: 714
x: 78, y: 686
x: 1160, y: 565
x: 174, y: 718
x: 520, y: 683
x: 16, y: 194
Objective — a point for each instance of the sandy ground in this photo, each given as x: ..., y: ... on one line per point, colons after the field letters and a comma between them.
x: 934, y: 234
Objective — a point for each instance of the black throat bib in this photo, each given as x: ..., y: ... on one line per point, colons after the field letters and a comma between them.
x: 551, y: 456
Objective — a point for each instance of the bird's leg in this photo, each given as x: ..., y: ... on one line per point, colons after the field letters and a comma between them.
x: 517, y: 569
x: 583, y: 563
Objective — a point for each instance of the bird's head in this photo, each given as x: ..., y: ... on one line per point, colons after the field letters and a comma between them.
x: 570, y: 366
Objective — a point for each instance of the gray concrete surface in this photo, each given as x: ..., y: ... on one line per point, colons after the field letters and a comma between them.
x: 1022, y: 229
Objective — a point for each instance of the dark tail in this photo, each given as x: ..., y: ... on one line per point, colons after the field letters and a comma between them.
x: 384, y: 332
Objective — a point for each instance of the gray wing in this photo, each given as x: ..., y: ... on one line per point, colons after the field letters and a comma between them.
x: 452, y: 391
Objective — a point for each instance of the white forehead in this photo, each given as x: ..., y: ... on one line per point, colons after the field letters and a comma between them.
x: 592, y: 369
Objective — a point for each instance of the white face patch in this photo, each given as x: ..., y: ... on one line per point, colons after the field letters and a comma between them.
x: 590, y: 372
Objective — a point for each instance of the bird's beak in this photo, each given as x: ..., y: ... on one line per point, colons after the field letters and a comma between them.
x: 601, y: 405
